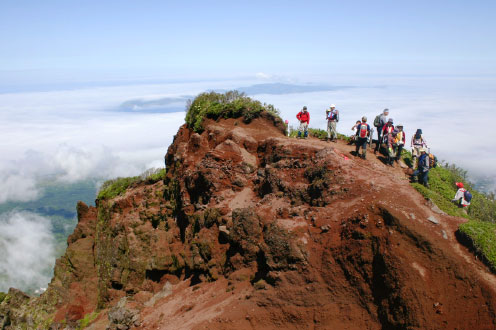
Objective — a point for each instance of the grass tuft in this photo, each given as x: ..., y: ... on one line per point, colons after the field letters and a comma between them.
x: 482, y: 235
x: 115, y: 187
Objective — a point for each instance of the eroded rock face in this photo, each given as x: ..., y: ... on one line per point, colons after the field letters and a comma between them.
x: 251, y: 229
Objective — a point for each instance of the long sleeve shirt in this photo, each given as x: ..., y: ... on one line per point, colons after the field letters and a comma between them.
x: 333, y: 115
x: 303, y: 117
x: 418, y: 142
x: 461, y: 194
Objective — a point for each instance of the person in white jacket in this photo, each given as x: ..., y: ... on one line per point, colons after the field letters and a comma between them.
x: 460, y: 196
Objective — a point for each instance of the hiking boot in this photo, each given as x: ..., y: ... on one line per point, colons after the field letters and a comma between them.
x: 427, y: 185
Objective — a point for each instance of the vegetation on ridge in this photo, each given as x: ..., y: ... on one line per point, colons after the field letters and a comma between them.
x: 480, y: 231
x: 232, y: 104
x: 115, y: 187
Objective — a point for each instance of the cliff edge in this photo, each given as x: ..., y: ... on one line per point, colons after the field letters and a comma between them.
x: 250, y: 229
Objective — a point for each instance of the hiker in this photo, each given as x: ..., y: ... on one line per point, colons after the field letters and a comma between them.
x: 355, y: 129
x: 304, y: 117
x: 391, y: 151
x: 417, y: 143
x: 332, y: 116
x: 362, y: 135
x: 387, y: 131
x: 399, y: 142
x: 423, y: 168
x: 379, y: 122
x: 462, y: 196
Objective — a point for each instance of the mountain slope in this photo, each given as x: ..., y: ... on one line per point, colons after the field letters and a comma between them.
x: 254, y: 230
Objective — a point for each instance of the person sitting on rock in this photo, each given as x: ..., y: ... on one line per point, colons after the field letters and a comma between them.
x: 354, y: 129
x: 332, y: 116
x: 423, y: 168
x: 304, y: 118
x: 417, y: 143
x: 462, y: 196
x: 362, y: 135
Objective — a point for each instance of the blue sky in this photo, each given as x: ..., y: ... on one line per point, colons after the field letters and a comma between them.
x: 121, y: 39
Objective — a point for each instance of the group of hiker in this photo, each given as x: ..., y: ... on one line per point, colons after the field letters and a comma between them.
x: 390, y: 136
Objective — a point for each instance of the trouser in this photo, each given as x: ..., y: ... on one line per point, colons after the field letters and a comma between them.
x: 391, y: 154
x: 331, y: 130
x: 361, y: 143
x: 424, y: 176
x: 379, y: 137
x: 415, y: 155
x: 398, y: 152
x: 303, y: 129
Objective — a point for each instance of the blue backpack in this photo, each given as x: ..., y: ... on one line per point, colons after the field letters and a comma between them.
x: 467, y: 196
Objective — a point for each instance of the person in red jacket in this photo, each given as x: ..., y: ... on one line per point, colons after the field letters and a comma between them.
x: 304, y: 117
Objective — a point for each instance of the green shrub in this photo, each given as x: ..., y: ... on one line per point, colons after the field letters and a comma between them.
x: 483, y: 238
x: 88, y: 318
x: 2, y: 296
x: 232, y: 104
x: 115, y: 187
x: 480, y: 231
x: 153, y: 175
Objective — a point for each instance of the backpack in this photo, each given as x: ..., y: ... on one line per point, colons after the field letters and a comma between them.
x: 418, y: 142
x: 334, y: 115
x: 363, y: 130
x: 467, y: 196
x: 432, y: 161
x: 377, y: 121
x: 424, y: 163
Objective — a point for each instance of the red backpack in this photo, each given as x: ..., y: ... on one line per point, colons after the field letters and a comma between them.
x: 363, y: 130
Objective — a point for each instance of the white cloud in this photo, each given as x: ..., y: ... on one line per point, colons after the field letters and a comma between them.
x: 17, y: 187
x: 263, y: 76
x: 27, y: 251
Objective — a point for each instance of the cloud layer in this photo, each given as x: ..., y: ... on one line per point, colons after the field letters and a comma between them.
x: 27, y: 251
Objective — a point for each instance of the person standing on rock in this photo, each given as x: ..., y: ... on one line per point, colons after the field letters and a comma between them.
x: 379, y: 122
x: 304, y: 118
x: 398, y: 142
x: 423, y: 168
x: 332, y: 116
x: 362, y: 135
x: 418, y: 142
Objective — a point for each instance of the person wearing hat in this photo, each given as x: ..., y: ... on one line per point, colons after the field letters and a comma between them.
x: 462, y: 196
x: 423, y: 168
x: 332, y: 116
x: 417, y: 143
x: 304, y: 118
x: 362, y: 135
x: 379, y: 122
x: 399, y: 141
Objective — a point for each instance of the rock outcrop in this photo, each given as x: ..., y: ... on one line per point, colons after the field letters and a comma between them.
x: 254, y: 230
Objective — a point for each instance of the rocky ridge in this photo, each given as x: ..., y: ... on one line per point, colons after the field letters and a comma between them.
x: 254, y: 230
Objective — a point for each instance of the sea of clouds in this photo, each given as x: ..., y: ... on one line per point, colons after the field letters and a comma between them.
x: 27, y: 251
x: 122, y: 130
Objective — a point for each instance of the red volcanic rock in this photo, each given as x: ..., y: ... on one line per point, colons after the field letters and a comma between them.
x: 254, y: 230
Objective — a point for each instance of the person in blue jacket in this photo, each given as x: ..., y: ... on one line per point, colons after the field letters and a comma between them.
x: 423, y: 168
